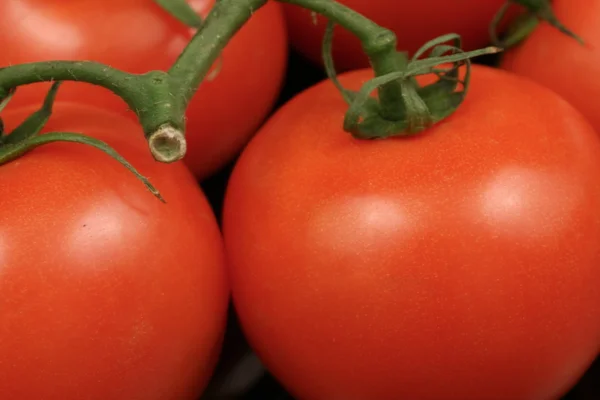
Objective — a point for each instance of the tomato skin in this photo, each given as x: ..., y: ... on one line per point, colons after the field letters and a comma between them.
x: 137, y: 36
x: 458, y: 264
x: 107, y: 293
x: 414, y: 23
x: 574, y: 68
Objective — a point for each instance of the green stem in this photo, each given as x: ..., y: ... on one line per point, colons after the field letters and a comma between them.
x: 372, y: 36
x: 228, y: 16
x: 117, y: 81
x: 221, y: 24
x: 379, y: 44
x: 182, y: 11
x: 148, y: 95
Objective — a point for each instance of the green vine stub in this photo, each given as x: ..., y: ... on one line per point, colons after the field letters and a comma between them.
x: 167, y: 144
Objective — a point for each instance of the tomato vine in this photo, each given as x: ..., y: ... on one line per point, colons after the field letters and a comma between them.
x: 160, y: 98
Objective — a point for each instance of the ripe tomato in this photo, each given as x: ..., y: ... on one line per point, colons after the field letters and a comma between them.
x: 573, y: 68
x: 462, y: 263
x: 137, y: 36
x: 414, y: 22
x: 107, y: 293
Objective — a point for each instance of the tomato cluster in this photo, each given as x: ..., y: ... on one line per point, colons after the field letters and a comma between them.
x: 460, y: 263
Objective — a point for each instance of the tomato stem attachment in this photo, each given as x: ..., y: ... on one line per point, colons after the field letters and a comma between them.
x: 378, y: 43
x: 420, y: 107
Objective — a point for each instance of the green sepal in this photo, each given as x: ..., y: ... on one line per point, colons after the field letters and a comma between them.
x: 3, y: 103
x: 546, y: 13
x: 6, y: 99
x: 525, y: 24
x: 5, y: 96
x: 33, y: 125
x: 12, y: 151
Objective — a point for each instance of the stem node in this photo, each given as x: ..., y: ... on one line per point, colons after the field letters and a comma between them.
x: 383, y: 41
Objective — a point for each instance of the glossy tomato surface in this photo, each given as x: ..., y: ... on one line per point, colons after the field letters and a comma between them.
x: 137, y: 36
x: 107, y: 293
x: 561, y: 63
x: 460, y: 264
x: 414, y: 22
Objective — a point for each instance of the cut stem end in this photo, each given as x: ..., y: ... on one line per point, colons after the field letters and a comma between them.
x: 167, y: 144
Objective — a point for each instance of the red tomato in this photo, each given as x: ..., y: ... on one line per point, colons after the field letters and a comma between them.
x: 137, y: 36
x: 414, y: 22
x: 107, y: 293
x: 561, y: 63
x: 462, y: 263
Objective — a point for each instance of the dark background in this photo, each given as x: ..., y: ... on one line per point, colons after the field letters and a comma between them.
x: 239, y: 375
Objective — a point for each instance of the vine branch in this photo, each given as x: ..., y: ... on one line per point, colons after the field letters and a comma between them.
x: 148, y: 95
x: 160, y: 98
